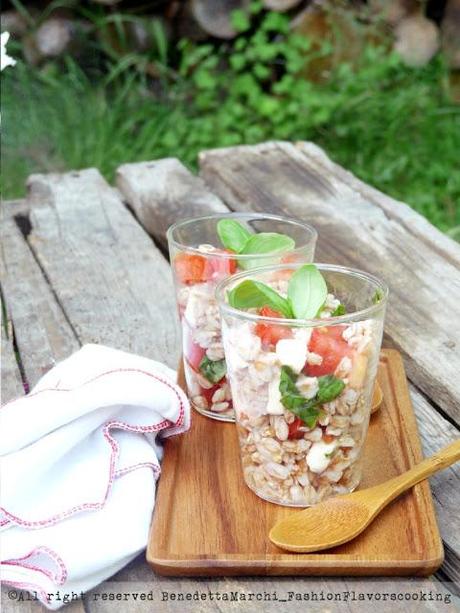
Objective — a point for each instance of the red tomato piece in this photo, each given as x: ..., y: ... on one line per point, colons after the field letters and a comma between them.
x: 209, y: 393
x: 195, y: 354
x: 190, y: 268
x: 294, y: 431
x: 329, y: 344
x: 223, y: 267
x: 270, y: 334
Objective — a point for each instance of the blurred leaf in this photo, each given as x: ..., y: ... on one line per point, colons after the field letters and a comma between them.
x: 240, y: 20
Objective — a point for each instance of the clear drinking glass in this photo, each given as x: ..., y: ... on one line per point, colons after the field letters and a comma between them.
x: 199, y: 263
x: 285, y: 460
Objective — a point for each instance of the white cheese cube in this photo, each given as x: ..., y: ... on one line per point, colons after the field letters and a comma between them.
x: 319, y: 458
x: 292, y: 352
x: 274, y: 406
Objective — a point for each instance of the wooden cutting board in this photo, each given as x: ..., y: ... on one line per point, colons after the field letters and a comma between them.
x: 208, y: 522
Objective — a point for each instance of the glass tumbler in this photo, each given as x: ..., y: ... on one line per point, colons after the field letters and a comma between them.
x: 327, y: 366
x: 199, y: 262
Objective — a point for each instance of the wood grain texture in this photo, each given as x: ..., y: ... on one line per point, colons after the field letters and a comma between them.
x: 43, y: 334
x: 359, y: 227
x: 114, y: 285
x: 162, y: 192
x: 11, y: 382
x: 207, y: 522
x: 435, y: 432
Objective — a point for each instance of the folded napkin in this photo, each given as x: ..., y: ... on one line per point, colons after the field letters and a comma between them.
x: 79, y: 458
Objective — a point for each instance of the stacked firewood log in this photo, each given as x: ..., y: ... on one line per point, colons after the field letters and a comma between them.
x: 419, y: 28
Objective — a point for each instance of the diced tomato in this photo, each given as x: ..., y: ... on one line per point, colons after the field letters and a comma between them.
x: 270, y: 334
x: 329, y: 344
x: 209, y: 393
x: 223, y: 267
x: 268, y: 312
x: 294, y: 431
x: 291, y: 258
x: 190, y: 268
x: 195, y: 354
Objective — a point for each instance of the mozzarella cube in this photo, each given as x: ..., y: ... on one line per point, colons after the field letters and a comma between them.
x: 274, y: 406
x: 292, y: 352
x: 319, y: 456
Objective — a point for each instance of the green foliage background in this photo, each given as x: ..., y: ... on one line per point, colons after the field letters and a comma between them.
x: 393, y: 126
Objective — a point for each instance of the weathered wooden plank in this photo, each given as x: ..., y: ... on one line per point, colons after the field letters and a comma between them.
x: 11, y: 381
x: 113, y: 284
x: 162, y: 192
x: 353, y: 230
x: 394, y: 209
x: 436, y: 432
x: 42, y: 333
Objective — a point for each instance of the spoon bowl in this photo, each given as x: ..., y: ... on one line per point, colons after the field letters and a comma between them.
x: 324, y: 525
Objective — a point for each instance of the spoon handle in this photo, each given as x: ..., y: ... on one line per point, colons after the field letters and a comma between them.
x: 389, y: 490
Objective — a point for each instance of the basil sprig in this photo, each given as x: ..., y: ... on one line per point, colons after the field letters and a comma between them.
x: 237, y: 238
x: 329, y: 387
x: 233, y: 235
x: 262, y: 244
x: 213, y: 370
x: 377, y: 297
x: 307, y: 293
x: 338, y: 311
x: 254, y: 295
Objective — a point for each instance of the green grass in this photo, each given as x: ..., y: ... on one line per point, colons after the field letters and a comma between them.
x: 394, y: 127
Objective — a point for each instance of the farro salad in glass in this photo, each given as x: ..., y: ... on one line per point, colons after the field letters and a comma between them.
x: 203, y: 252
x: 302, y: 345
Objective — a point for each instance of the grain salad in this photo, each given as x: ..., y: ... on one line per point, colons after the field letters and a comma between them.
x: 301, y: 387
x: 232, y: 245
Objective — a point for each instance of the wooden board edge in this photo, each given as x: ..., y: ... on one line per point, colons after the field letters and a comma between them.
x: 270, y: 568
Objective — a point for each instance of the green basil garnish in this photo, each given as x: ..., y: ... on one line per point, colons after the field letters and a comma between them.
x: 329, y: 387
x: 213, y: 370
x: 377, y: 297
x: 255, y: 295
x: 307, y: 292
x: 262, y: 244
x: 340, y: 310
x: 233, y: 235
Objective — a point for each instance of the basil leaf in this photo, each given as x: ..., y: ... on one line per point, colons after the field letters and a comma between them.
x: 329, y: 387
x: 262, y: 244
x: 340, y: 310
x: 232, y: 234
x: 293, y: 401
x: 213, y: 370
x: 307, y: 292
x: 288, y: 380
x: 253, y: 294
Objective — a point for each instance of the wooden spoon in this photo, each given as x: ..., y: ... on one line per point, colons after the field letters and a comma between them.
x: 342, y: 518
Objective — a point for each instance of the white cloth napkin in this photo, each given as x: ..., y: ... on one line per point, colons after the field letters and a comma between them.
x: 79, y: 461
